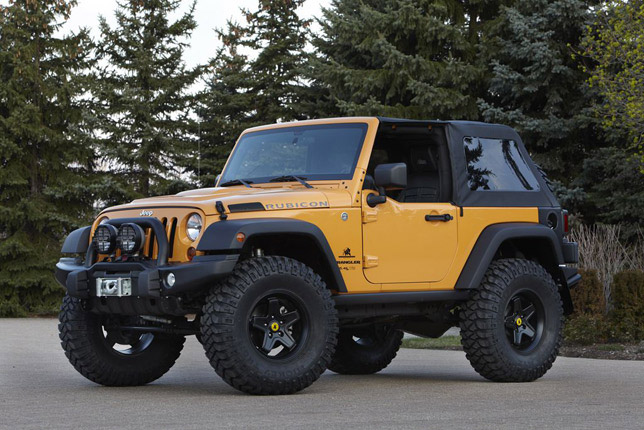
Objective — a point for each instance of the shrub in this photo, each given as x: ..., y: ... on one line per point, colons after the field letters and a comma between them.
x: 627, y: 314
x: 584, y: 329
x: 11, y: 307
x: 588, y: 296
x: 602, y: 250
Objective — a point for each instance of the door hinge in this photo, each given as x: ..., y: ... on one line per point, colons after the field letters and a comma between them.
x: 369, y: 216
x: 369, y: 261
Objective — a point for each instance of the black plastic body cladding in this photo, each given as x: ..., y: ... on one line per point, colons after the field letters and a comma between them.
x: 489, y: 242
x: 222, y: 237
x: 77, y: 241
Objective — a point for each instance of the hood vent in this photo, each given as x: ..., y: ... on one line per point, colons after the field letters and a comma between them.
x: 246, y: 207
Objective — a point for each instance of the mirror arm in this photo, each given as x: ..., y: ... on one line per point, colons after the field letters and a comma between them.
x: 374, y: 200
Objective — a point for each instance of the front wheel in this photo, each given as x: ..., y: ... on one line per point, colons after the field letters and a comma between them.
x: 270, y: 327
x: 106, y: 354
x: 511, y: 327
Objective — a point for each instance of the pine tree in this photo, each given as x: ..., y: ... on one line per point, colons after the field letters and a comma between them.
x: 537, y: 86
x: 407, y: 58
x: 43, y: 170
x: 142, y: 99
x: 255, y: 78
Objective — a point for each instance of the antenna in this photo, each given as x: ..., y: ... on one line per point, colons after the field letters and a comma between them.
x: 199, y: 152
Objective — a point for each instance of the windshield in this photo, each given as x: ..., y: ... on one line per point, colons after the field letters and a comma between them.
x: 315, y: 152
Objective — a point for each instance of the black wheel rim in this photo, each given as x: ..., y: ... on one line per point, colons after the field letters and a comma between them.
x: 278, y: 326
x: 524, y: 321
x: 371, y: 337
x: 124, y: 342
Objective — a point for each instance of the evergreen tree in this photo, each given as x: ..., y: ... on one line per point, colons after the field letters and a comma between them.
x: 407, y: 58
x: 141, y: 88
x: 263, y: 86
x: 613, y: 186
x: 43, y: 171
x: 537, y: 86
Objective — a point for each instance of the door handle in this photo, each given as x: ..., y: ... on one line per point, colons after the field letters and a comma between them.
x: 444, y: 217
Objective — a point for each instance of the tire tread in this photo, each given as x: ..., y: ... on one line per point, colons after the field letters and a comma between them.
x: 75, y: 327
x: 477, y: 322
x: 217, y: 324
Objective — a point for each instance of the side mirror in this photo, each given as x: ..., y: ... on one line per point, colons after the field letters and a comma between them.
x: 392, y: 175
x: 217, y: 179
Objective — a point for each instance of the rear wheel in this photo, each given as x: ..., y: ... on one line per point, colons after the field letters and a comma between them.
x: 270, y: 327
x: 366, y: 350
x: 511, y: 326
x: 106, y: 354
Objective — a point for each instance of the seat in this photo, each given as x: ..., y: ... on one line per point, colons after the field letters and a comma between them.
x: 423, y: 182
x: 420, y: 189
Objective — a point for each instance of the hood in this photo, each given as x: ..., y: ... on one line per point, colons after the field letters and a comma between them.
x: 281, y: 198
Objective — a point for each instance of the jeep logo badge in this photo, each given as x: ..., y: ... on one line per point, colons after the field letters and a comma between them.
x: 146, y: 213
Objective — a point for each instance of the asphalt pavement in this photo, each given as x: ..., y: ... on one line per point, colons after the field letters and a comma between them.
x: 420, y: 389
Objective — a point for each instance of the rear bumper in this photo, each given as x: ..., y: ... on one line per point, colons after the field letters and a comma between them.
x: 570, y: 251
x: 148, y: 279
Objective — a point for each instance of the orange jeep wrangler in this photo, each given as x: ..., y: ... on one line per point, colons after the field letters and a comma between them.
x: 321, y: 243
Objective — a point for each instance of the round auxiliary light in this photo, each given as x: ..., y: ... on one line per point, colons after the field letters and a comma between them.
x: 130, y: 238
x: 105, y: 238
x: 171, y: 279
x: 194, y: 226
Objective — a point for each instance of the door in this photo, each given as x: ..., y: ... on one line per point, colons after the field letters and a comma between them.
x: 408, y: 242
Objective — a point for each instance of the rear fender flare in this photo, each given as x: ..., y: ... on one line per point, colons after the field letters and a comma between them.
x: 491, y: 240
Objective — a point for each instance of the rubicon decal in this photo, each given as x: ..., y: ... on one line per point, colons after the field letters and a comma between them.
x: 275, y: 206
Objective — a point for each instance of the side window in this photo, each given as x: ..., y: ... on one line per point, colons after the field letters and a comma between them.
x: 497, y: 165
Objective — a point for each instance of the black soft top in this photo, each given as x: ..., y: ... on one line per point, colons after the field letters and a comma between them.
x: 455, y: 132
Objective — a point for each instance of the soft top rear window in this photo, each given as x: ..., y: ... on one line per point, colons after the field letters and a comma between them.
x: 497, y: 165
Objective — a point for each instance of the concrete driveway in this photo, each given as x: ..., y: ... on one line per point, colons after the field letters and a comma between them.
x: 421, y: 389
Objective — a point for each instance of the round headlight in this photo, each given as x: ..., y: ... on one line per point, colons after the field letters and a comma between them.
x: 193, y: 226
x: 105, y: 238
x: 104, y: 220
x: 130, y: 238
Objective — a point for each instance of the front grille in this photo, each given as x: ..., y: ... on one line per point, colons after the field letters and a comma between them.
x: 151, y: 248
x: 171, y: 236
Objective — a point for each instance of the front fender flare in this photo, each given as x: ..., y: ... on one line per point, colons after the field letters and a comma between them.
x: 77, y: 241
x: 222, y: 237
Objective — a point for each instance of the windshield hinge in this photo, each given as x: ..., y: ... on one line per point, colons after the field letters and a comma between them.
x: 369, y: 216
x: 222, y: 211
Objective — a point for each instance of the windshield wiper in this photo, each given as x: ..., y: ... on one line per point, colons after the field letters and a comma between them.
x: 290, y: 178
x: 237, y: 182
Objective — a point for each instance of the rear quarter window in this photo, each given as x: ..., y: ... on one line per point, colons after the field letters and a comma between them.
x: 497, y: 165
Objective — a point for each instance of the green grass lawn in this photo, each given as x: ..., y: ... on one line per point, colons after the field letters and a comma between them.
x: 603, y: 351
x: 445, y: 342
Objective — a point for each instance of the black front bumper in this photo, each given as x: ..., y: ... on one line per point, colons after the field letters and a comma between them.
x: 148, y: 279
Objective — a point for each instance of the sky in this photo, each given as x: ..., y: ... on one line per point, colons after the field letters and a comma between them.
x: 209, y: 14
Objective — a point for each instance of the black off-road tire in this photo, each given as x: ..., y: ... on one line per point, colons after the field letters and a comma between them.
x: 484, y: 322
x: 227, y: 326
x: 360, y: 353
x: 82, y: 339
